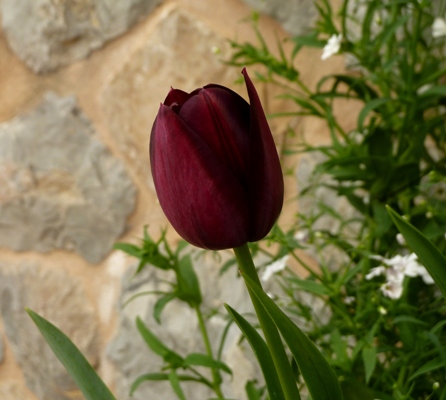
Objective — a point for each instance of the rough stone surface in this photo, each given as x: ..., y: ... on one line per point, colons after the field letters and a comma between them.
x: 179, y: 330
x: 60, y: 299
x: 309, y: 205
x: 179, y: 43
x: 47, y: 34
x: 1, y: 349
x: 296, y: 16
x: 60, y: 188
x: 12, y: 390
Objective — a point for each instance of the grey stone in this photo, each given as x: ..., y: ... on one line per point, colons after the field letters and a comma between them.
x: 177, y: 53
x: 47, y: 34
x: 60, y: 188
x: 318, y: 197
x: 179, y: 330
x: 1, y: 349
x: 296, y: 16
x: 12, y: 390
x: 60, y: 299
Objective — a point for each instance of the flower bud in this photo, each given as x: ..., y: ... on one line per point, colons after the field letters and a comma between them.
x: 215, y: 166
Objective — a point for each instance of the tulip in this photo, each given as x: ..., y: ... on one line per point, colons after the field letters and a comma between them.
x: 215, y: 166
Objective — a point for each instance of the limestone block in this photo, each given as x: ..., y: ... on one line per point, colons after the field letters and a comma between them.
x: 320, y: 195
x: 60, y: 188
x: 1, y: 349
x: 179, y: 330
x: 12, y: 390
x: 60, y: 299
x: 47, y: 34
x: 178, y: 53
x: 296, y: 16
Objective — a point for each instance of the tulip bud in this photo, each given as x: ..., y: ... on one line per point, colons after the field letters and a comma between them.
x: 215, y: 166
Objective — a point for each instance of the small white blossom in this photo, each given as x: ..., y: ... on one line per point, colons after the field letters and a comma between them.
x: 349, y: 300
x: 395, y: 269
x: 377, y: 271
x: 424, y: 88
x: 382, y: 310
x: 392, y: 290
x: 276, y: 266
x: 332, y: 47
x: 302, y: 235
x: 400, y: 239
x: 439, y: 27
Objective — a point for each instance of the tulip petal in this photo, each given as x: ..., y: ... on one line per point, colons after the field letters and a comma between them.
x: 200, y: 196
x: 176, y: 96
x: 265, y: 177
x: 221, y: 118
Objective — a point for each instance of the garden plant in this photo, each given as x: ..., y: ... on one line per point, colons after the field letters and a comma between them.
x: 380, y: 270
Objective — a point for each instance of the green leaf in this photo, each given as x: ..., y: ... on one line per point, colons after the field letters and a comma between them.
x: 369, y: 359
x: 128, y: 248
x: 320, y: 378
x: 188, y: 284
x: 175, y: 383
x: 157, y: 346
x: 262, y: 353
x: 160, y: 304
x: 83, y: 374
x: 251, y: 391
x: 431, y: 365
x: 427, y: 253
x: 410, y: 319
x: 370, y: 106
x: 310, y: 286
x: 203, y: 360
x: 161, y: 376
x: 436, y: 90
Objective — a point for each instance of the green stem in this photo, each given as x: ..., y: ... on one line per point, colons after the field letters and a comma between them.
x: 216, y: 378
x: 270, y: 331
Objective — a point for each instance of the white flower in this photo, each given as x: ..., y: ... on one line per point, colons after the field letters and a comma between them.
x: 400, y: 239
x: 276, y: 266
x: 349, y: 300
x: 438, y: 27
x: 377, y: 271
x: 395, y: 270
x: 424, y: 88
x: 332, y: 47
x: 392, y: 290
x: 302, y: 235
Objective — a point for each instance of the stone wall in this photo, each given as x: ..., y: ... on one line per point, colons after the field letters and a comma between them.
x: 80, y: 84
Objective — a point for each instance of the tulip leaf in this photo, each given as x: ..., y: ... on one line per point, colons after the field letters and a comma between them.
x: 320, y: 378
x: 203, y: 360
x: 262, y: 354
x: 427, y: 253
x: 83, y: 374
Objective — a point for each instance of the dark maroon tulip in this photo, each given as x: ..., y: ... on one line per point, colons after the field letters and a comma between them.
x: 215, y: 166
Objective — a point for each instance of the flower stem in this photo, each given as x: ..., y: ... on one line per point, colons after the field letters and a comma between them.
x: 216, y: 378
x: 270, y: 331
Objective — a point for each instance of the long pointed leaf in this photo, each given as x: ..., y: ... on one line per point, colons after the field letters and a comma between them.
x: 162, y: 376
x: 427, y: 253
x: 83, y: 374
x: 320, y: 378
x: 262, y: 354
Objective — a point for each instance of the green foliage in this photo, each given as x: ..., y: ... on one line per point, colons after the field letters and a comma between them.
x: 380, y: 346
x: 83, y: 374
